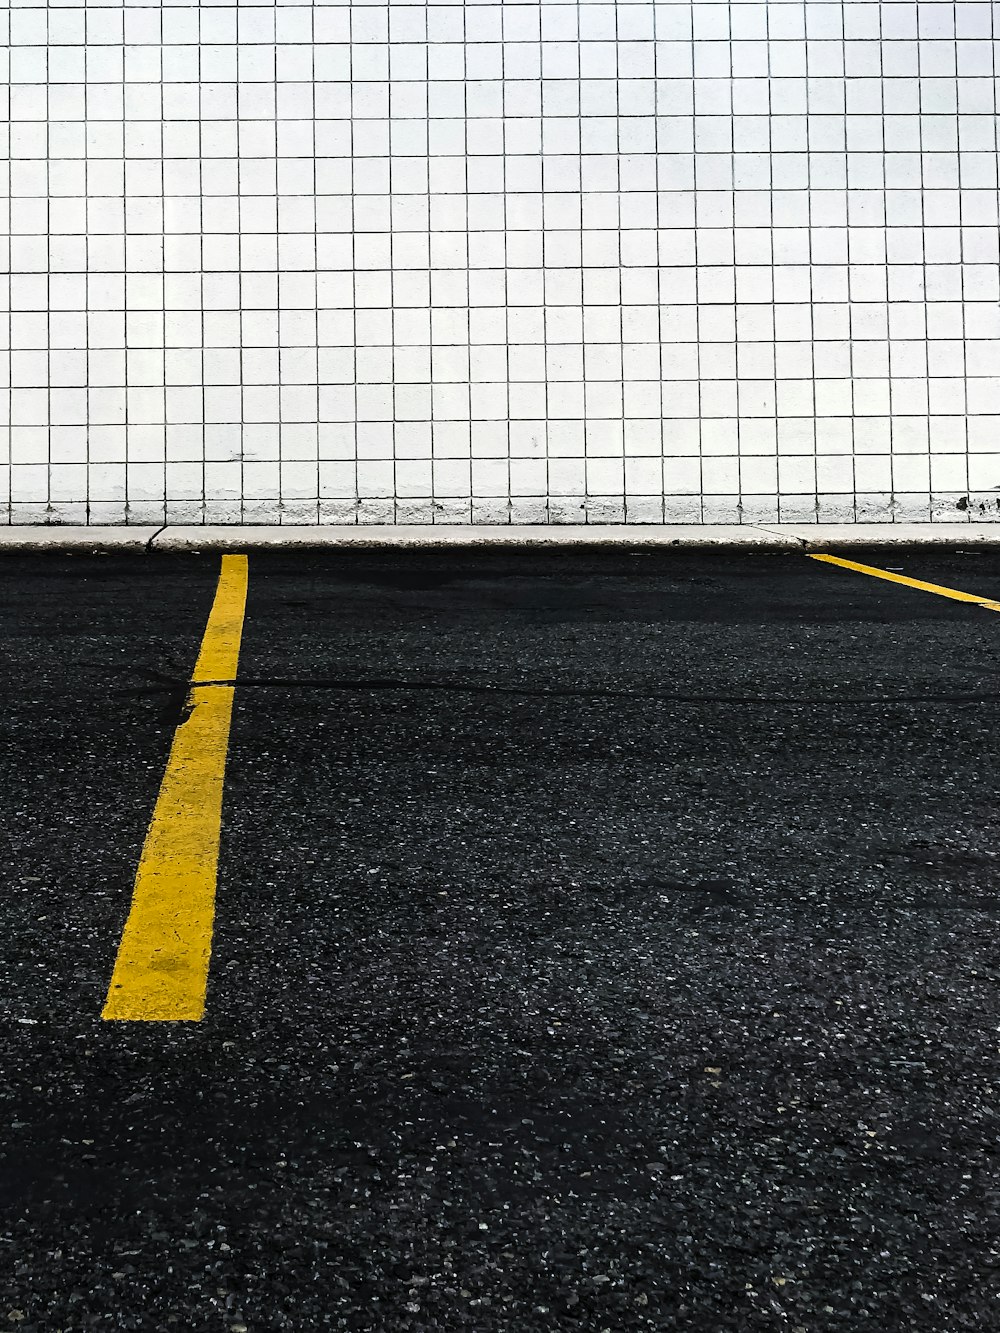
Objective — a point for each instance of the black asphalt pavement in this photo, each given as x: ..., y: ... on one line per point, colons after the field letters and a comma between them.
x: 604, y: 941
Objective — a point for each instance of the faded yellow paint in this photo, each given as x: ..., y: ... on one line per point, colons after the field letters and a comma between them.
x: 161, y: 971
x: 890, y: 577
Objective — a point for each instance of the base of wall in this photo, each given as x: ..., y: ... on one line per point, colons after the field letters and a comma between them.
x: 766, y: 511
x: 700, y: 536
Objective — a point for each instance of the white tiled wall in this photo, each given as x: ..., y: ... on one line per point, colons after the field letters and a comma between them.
x: 555, y: 262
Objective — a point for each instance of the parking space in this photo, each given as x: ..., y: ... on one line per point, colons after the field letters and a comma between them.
x: 601, y: 941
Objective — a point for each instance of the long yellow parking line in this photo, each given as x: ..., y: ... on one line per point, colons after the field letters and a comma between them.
x: 953, y: 593
x: 161, y: 971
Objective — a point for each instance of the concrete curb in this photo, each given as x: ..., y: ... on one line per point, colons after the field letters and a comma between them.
x: 55, y: 537
x: 443, y: 537
x: 782, y: 536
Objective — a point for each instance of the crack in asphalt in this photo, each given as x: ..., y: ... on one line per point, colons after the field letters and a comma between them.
x: 389, y: 684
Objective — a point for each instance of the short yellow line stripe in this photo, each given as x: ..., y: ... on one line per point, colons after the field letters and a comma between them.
x: 161, y: 971
x: 886, y: 574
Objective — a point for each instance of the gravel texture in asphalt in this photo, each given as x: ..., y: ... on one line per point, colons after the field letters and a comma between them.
x: 604, y: 941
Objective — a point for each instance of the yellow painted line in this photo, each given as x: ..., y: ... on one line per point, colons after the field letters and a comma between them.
x: 161, y: 971
x: 886, y: 574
